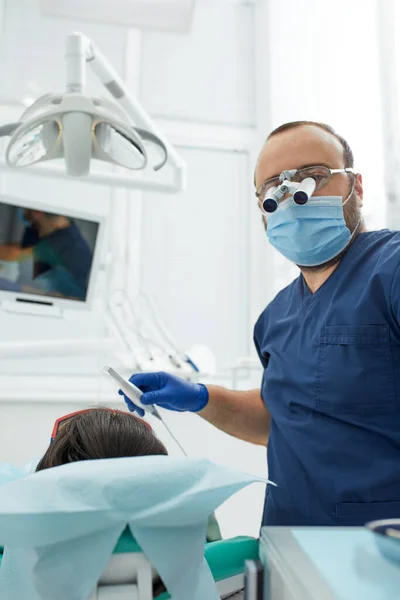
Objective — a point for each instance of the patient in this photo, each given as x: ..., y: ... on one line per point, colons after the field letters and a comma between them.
x: 97, y: 433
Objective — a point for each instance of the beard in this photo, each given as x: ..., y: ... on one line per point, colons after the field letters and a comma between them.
x: 355, y: 224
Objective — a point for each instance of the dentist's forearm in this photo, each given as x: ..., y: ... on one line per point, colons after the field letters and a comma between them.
x: 241, y: 414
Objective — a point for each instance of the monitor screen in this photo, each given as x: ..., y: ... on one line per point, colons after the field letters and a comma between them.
x: 45, y: 253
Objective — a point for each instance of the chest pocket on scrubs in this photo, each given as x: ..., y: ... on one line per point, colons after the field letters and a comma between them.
x: 355, y: 370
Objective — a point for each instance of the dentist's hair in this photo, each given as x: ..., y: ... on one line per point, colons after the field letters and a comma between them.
x: 101, y: 433
x: 347, y: 151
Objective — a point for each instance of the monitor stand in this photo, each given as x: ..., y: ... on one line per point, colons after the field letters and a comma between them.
x: 32, y: 307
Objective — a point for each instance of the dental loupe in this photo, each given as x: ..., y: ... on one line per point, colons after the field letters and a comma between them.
x: 301, y: 192
x: 78, y: 128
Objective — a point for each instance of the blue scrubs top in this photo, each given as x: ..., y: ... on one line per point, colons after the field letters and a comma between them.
x: 332, y: 386
x: 62, y: 260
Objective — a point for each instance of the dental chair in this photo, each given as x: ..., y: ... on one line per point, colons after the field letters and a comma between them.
x: 56, y: 523
x: 130, y: 576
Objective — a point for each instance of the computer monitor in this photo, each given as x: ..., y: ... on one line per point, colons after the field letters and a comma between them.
x: 48, y: 256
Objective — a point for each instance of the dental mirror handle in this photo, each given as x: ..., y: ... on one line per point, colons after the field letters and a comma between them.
x: 134, y: 394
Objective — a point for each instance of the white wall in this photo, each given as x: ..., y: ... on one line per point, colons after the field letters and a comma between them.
x: 196, y: 253
x: 247, y: 66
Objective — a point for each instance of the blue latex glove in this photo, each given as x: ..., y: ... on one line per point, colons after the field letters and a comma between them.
x: 168, y: 391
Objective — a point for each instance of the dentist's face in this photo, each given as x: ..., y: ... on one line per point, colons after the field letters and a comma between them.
x: 308, y: 145
x: 32, y: 216
x: 28, y: 215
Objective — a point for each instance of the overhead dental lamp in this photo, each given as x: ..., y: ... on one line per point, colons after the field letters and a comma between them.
x: 78, y: 128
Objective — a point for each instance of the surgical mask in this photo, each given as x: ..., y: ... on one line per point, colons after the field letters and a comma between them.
x: 312, y: 234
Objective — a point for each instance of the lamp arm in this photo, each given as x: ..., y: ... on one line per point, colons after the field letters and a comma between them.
x: 81, y: 49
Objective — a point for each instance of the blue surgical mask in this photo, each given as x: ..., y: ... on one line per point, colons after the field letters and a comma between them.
x: 311, y: 234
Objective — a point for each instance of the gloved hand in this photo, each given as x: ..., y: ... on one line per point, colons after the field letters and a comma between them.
x: 168, y: 391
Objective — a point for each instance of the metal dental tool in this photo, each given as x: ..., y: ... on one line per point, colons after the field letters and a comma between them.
x: 134, y: 394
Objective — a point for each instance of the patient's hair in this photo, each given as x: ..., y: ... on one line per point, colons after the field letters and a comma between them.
x: 101, y: 433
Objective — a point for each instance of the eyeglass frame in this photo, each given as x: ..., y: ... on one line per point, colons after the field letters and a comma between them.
x: 284, y: 175
x: 58, y: 421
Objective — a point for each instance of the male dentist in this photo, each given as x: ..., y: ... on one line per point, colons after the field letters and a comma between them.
x: 329, y: 405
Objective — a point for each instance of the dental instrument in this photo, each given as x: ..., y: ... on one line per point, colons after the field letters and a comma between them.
x: 134, y: 394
